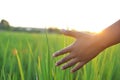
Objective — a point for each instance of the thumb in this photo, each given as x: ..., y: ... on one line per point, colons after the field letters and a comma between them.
x: 74, y: 34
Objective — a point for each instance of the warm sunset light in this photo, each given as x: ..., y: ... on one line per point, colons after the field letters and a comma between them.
x: 60, y: 40
x: 83, y: 15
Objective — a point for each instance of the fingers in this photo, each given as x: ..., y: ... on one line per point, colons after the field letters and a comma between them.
x: 78, y: 66
x: 70, y: 63
x: 65, y: 59
x: 63, y: 51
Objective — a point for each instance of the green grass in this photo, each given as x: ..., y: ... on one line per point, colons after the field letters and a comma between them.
x: 33, y: 59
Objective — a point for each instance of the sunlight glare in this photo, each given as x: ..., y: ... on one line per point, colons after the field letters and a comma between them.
x: 63, y: 14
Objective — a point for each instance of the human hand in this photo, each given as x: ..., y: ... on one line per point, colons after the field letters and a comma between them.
x: 84, y: 49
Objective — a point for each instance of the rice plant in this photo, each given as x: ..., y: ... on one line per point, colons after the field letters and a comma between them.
x: 28, y: 56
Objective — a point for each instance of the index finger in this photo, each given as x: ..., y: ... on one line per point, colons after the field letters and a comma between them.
x: 63, y: 51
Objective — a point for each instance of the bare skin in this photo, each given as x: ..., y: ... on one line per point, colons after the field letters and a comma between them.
x: 87, y: 46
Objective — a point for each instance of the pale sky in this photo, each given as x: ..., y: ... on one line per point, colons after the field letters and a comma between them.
x: 83, y: 15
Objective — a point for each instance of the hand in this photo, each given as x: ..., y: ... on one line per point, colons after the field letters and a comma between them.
x: 84, y: 49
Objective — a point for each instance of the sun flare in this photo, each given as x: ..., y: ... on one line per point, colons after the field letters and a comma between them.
x: 72, y: 14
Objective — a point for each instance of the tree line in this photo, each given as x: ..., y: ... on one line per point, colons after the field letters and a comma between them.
x: 5, y: 26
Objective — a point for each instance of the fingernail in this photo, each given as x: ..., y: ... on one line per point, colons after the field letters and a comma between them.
x: 62, y: 68
x: 56, y: 64
x: 53, y: 55
x: 72, y: 71
x: 63, y: 30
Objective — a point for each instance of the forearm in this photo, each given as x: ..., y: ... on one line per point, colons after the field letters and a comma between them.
x: 111, y: 35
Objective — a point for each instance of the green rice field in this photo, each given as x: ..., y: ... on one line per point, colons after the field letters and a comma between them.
x: 28, y: 56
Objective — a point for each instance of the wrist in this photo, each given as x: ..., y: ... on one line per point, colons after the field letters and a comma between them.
x: 110, y: 36
x: 106, y: 40
x: 102, y: 41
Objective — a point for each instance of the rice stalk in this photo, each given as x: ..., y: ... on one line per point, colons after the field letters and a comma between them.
x: 19, y: 64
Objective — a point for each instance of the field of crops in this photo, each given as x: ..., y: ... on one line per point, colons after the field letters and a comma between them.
x: 28, y: 56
